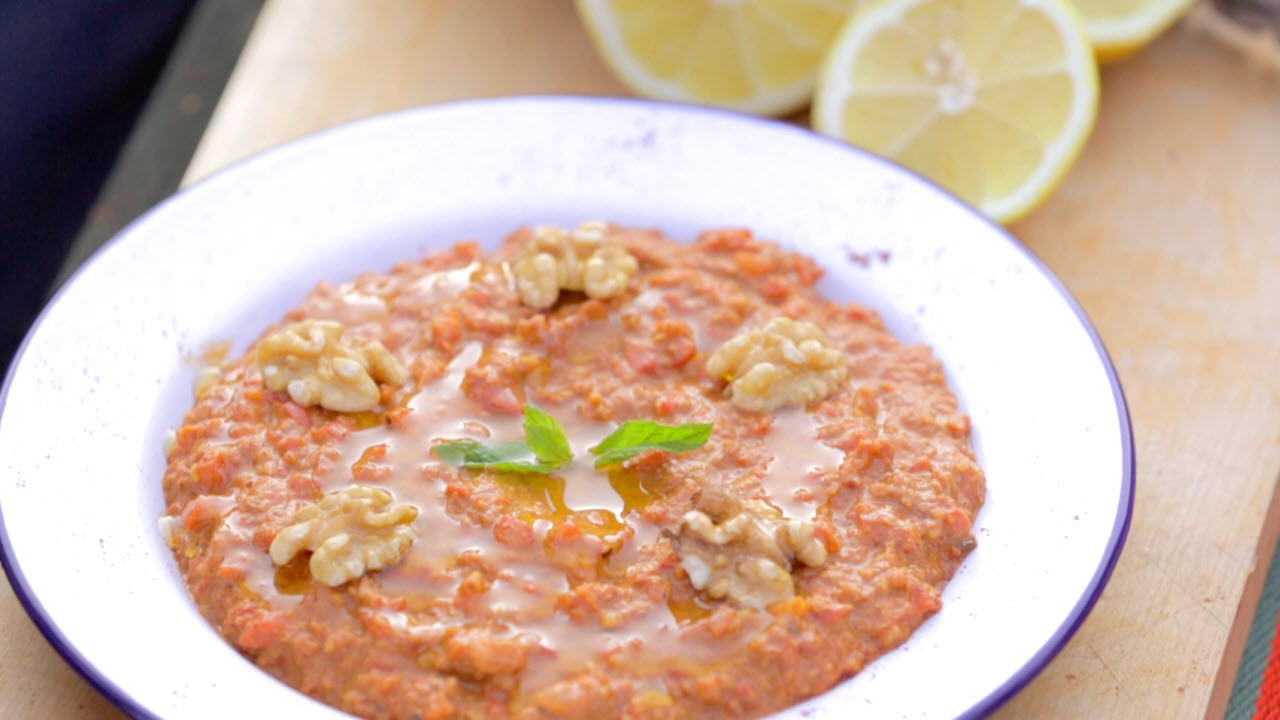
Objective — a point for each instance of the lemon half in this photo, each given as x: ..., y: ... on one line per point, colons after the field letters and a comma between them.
x: 1119, y: 27
x: 992, y: 99
x: 756, y: 56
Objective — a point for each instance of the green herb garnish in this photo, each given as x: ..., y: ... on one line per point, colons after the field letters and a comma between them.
x: 545, y: 447
x: 636, y: 436
x: 507, y: 456
x: 544, y: 450
x: 546, y: 437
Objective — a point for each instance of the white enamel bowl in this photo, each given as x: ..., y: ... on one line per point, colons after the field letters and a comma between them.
x: 107, y: 369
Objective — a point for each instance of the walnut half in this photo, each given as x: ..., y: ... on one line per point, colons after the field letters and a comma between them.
x: 309, y: 361
x: 349, y: 533
x: 586, y: 259
x: 787, y: 362
x: 743, y: 550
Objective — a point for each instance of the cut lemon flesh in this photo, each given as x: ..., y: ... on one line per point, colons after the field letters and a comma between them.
x: 992, y: 99
x: 756, y: 56
x: 1119, y: 27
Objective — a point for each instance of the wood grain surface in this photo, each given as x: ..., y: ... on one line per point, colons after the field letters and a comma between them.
x: 1166, y: 233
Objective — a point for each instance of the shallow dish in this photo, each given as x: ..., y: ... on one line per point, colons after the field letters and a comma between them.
x: 110, y: 367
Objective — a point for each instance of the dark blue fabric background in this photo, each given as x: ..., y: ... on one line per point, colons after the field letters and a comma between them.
x: 73, y: 76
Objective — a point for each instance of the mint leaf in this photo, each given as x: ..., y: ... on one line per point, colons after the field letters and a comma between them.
x: 546, y: 437
x: 504, y: 456
x: 544, y: 450
x: 636, y: 436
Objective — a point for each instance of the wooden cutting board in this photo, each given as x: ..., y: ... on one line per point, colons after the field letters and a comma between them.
x: 1167, y: 232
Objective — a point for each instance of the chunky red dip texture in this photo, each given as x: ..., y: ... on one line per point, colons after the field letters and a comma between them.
x: 565, y: 595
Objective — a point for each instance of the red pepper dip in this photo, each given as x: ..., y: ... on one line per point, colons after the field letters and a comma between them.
x: 322, y: 536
